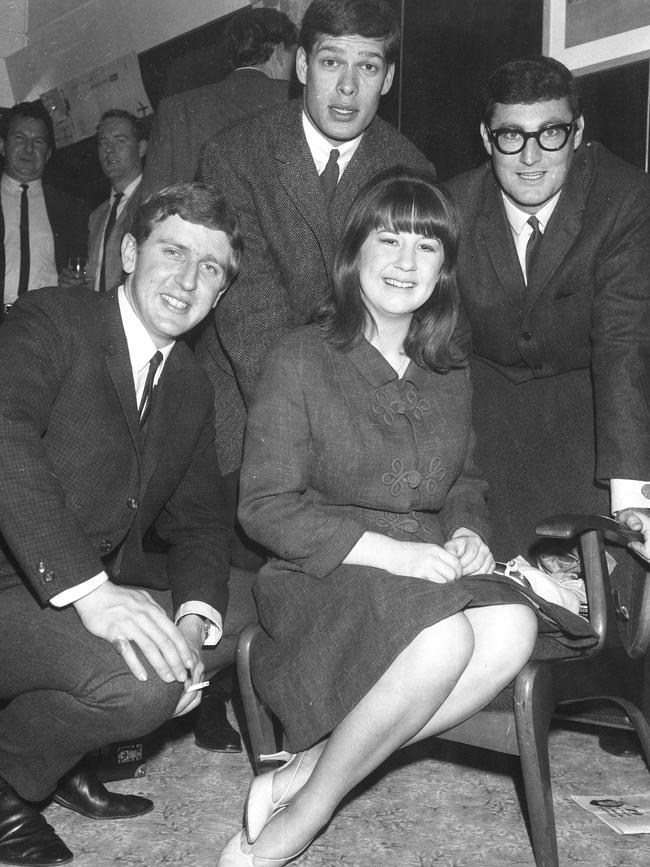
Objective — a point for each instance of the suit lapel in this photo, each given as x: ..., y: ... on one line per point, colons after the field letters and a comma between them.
x: 167, y: 402
x: 299, y: 178
x: 116, y: 355
x: 499, y: 243
x: 561, y: 232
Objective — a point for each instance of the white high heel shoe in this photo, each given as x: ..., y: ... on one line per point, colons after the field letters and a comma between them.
x: 233, y: 856
x: 260, y: 805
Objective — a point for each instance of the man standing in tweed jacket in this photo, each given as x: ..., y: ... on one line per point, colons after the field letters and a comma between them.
x: 269, y: 167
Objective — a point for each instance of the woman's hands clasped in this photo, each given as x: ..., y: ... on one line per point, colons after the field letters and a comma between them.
x: 464, y: 554
x: 474, y: 555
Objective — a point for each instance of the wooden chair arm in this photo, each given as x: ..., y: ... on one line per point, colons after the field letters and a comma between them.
x: 571, y: 526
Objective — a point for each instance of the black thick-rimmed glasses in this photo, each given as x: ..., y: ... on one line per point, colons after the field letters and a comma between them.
x: 510, y: 140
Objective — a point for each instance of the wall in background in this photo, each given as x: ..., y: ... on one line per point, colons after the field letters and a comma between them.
x: 66, y: 38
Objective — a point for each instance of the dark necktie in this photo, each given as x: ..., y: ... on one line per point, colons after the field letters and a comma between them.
x: 330, y: 176
x: 147, y: 394
x: 23, y: 280
x: 107, y: 232
x: 532, y: 246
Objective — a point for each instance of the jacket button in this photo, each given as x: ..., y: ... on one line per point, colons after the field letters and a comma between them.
x: 527, y: 335
x: 133, y: 503
x: 645, y: 490
x: 106, y: 545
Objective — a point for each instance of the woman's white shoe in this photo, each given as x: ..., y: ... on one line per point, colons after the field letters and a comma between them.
x: 234, y: 856
x: 260, y: 805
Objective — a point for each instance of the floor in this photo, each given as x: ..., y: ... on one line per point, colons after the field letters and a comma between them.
x: 437, y: 804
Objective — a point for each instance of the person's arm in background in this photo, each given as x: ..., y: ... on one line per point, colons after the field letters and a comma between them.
x: 621, y: 353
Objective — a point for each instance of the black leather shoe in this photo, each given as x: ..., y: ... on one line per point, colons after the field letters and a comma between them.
x: 81, y: 791
x: 25, y: 837
x: 212, y: 731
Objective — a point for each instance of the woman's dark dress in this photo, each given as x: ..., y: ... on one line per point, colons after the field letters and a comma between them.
x: 337, y: 445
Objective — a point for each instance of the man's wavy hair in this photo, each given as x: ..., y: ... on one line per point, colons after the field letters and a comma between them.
x: 196, y: 203
x: 401, y: 200
x: 528, y: 80
x: 373, y: 19
x: 251, y: 36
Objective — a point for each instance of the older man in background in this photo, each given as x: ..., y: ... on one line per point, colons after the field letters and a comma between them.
x: 41, y: 228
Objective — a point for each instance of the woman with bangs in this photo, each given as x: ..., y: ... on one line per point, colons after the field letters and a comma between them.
x: 358, y: 477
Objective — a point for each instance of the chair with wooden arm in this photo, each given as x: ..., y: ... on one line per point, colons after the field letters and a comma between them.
x: 517, y: 722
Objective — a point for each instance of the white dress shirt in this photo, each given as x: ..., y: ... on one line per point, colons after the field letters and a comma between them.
x: 320, y: 147
x: 42, y: 265
x: 624, y: 493
x: 141, y: 350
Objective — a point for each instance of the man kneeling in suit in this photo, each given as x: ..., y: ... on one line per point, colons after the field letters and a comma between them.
x: 106, y: 434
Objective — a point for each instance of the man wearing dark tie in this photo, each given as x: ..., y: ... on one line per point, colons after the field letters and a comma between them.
x: 41, y: 227
x: 292, y: 188
x: 121, y: 146
x: 107, y: 434
x: 554, y: 274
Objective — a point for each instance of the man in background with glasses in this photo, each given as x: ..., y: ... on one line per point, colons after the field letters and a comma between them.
x: 555, y: 281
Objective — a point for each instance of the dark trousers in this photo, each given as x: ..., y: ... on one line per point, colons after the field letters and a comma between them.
x: 69, y: 692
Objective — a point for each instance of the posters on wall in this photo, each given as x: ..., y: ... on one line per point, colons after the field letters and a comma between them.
x: 77, y: 105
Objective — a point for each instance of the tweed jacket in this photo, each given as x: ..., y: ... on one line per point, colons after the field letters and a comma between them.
x: 265, y: 168
x: 183, y: 122
x: 69, y: 222
x: 587, y: 303
x: 337, y: 444
x: 122, y: 225
x: 81, y: 485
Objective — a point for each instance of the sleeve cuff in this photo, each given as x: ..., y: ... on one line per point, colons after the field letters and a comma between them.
x: 215, y: 624
x: 72, y: 594
x: 629, y: 494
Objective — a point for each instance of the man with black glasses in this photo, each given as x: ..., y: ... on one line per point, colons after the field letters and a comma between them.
x: 555, y: 281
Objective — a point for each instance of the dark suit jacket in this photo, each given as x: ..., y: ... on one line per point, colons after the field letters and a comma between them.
x: 587, y: 304
x: 79, y: 482
x: 289, y: 236
x: 69, y: 221
x: 122, y: 225
x: 183, y: 122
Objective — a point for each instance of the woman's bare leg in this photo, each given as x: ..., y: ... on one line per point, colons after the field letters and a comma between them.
x: 398, y: 706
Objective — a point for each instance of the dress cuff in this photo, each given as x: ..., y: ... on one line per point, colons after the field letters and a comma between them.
x: 215, y: 624
x: 629, y: 494
x: 72, y: 594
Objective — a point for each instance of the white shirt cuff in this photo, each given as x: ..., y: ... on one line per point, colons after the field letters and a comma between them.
x: 72, y: 594
x: 215, y: 624
x: 629, y: 494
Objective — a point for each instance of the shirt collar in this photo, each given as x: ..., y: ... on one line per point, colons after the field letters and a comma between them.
x: 141, y: 346
x: 128, y: 191
x: 12, y: 186
x: 518, y: 218
x: 320, y: 147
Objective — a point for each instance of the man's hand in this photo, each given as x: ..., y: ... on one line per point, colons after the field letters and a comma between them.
x: 637, y: 519
x: 191, y: 625
x: 474, y: 555
x: 127, y: 616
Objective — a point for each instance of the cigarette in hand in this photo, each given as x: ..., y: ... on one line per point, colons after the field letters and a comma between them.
x: 195, y: 686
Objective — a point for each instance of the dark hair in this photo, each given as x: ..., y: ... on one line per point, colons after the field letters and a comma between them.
x: 402, y: 200
x: 123, y: 114
x: 251, y: 36
x: 528, y: 80
x: 373, y: 19
x: 34, y: 110
x: 197, y: 203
